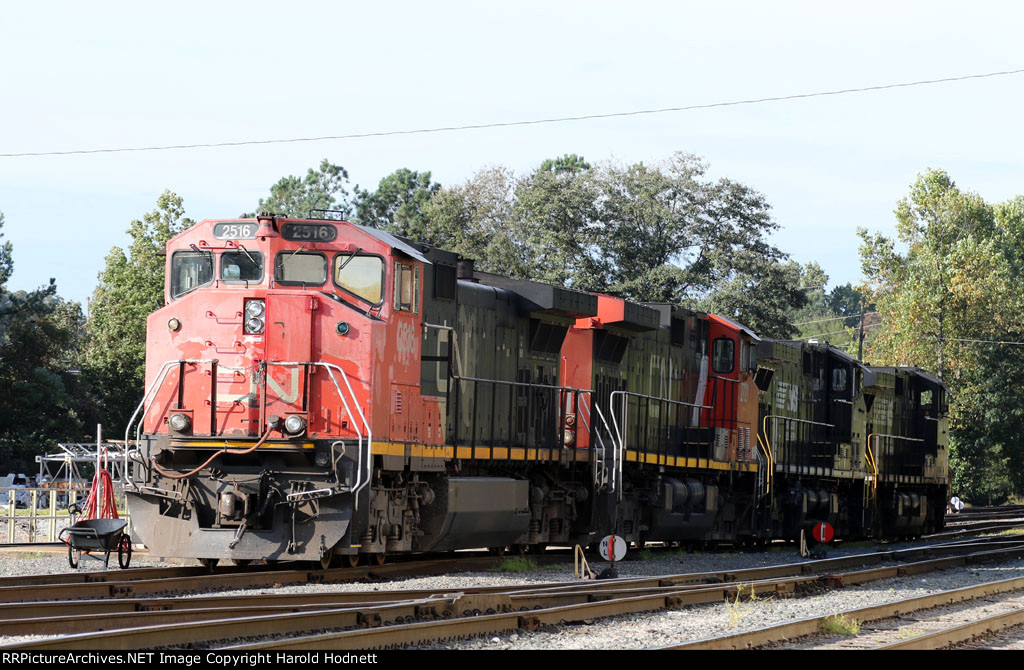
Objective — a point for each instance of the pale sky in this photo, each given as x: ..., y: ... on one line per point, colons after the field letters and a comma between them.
x: 110, y: 75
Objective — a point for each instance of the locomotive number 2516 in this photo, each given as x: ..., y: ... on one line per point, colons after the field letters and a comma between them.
x: 235, y: 231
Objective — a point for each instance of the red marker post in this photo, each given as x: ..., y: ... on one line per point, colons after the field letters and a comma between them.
x: 823, y: 532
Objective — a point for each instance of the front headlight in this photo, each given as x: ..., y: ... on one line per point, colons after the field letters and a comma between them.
x: 179, y: 423
x: 294, y: 424
x: 254, y: 310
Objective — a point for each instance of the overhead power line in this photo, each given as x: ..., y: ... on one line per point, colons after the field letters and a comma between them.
x: 508, y: 124
x: 954, y: 339
x: 845, y: 330
x: 834, y: 318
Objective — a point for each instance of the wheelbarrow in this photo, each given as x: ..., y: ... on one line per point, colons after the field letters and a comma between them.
x: 97, y: 535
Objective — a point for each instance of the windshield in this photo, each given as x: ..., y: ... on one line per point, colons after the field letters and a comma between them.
x: 362, y: 276
x: 241, y: 266
x: 297, y: 268
x: 189, y: 271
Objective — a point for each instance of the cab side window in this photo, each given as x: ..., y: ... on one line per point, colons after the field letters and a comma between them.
x: 407, y: 288
x: 723, y: 355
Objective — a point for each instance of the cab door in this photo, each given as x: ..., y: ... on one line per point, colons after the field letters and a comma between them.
x: 404, y: 349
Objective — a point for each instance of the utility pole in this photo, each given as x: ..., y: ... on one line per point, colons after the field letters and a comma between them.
x: 860, y: 337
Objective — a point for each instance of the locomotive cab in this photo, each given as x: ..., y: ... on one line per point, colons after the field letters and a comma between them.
x: 255, y: 431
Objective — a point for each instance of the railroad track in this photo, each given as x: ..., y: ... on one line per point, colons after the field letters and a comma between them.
x: 119, y: 584
x: 926, y: 622
x: 394, y: 618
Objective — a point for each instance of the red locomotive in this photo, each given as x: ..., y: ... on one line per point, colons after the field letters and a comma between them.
x: 318, y: 389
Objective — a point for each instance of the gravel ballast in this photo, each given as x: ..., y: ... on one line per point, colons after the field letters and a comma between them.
x: 635, y: 631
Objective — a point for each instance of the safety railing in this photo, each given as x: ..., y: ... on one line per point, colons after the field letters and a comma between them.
x: 621, y: 434
x: 131, y: 447
x: 599, y: 463
x: 532, y: 421
x: 363, y: 447
x: 357, y: 418
x: 872, y: 456
x: 773, y: 450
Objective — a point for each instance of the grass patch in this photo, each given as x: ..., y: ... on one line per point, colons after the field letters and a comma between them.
x: 907, y: 633
x: 517, y: 564
x: 1011, y: 531
x: 839, y: 624
x: 737, y: 609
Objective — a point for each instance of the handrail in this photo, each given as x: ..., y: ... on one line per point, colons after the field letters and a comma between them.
x: 775, y: 417
x: 597, y: 462
x: 611, y: 404
x: 329, y: 367
x: 161, y: 374
x: 364, y: 462
x: 621, y: 435
x: 873, y: 463
x: 872, y: 459
x: 611, y: 435
x: 768, y: 473
x: 524, y: 384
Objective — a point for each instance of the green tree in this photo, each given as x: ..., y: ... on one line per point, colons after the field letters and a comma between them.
x: 760, y: 294
x: 828, y: 316
x: 476, y: 219
x: 567, y: 163
x: 397, y: 206
x: 297, y: 197
x: 648, y: 233
x: 40, y: 401
x: 944, y: 299
x: 556, y: 211
x: 670, y: 234
x: 131, y: 286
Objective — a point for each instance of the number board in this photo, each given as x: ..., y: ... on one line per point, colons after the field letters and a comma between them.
x: 309, y: 232
x: 235, y: 231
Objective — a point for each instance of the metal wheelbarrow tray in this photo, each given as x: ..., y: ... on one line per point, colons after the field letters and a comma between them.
x: 104, y: 535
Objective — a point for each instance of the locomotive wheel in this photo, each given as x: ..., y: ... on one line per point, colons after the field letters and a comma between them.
x: 209, y: 563
x: 74, y: 556
x: 497, y: 551
x: 538, y: 549
x: 351, y: 560
x: 327, y: 559
x: 124, y: 552
x: 241, y: 562
x: 378, y: 558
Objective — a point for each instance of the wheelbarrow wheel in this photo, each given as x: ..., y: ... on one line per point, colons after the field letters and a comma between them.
x: 124, y: 551
x: 74, y: 556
